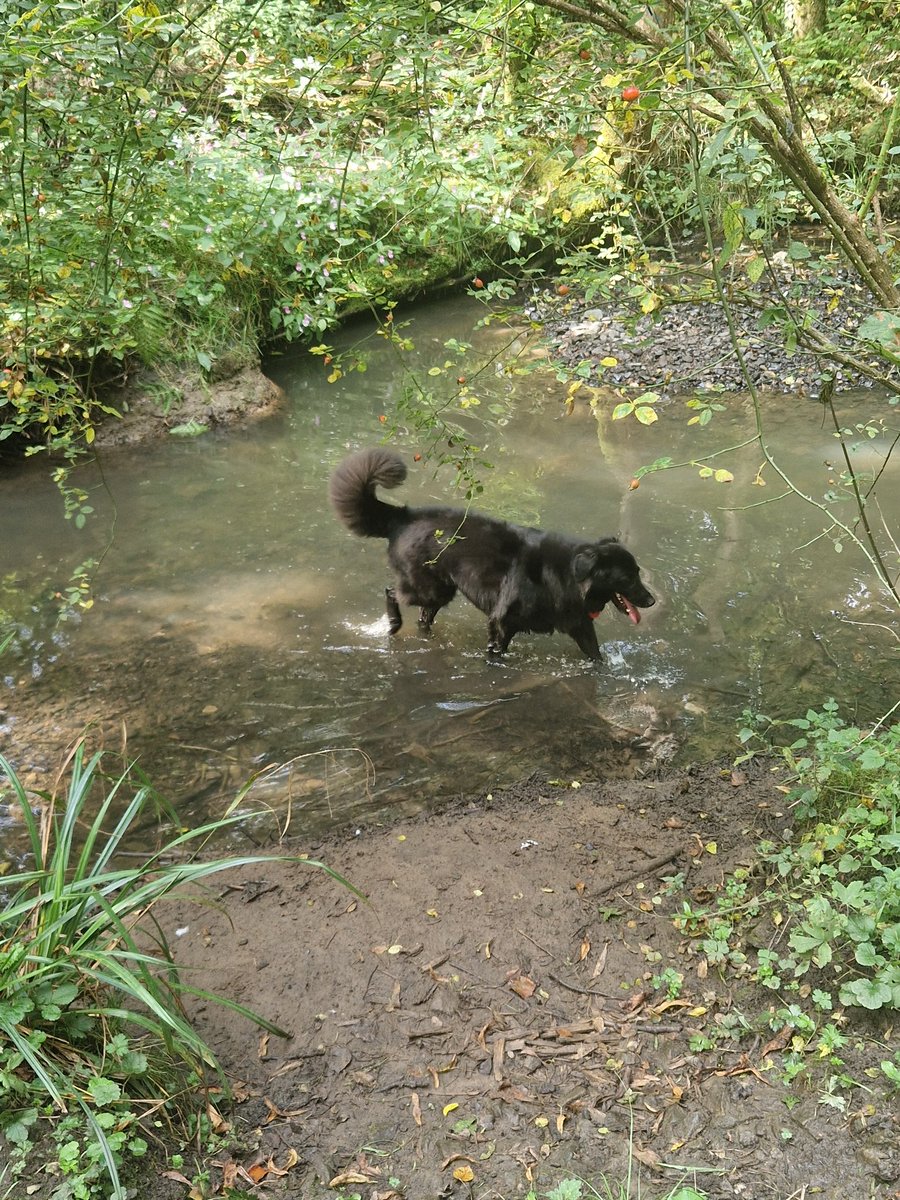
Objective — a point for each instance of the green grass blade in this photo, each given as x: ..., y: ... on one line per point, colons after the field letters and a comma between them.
x: 34, y: 833
x: 34, y: 1061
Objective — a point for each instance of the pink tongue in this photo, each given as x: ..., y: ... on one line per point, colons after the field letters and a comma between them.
x: 633, y: 614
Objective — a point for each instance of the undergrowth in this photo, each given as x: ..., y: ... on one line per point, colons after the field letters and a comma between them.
x: 98, y: 1057
x: 819, y: 923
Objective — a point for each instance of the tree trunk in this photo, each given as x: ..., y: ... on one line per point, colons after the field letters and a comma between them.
x: 803, y: 17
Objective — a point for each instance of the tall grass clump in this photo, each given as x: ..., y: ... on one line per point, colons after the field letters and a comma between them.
x: 96, y: 1050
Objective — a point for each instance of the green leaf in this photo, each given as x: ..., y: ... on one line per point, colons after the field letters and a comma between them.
x: 867, y: 956
x: 189, y: 429
x: 622, y: 410
x: 882, y: 328
x: 646, y: 416
x: 104, y: 1091
x: 865, y: 993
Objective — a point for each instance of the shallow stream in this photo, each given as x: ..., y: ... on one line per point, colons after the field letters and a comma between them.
x: 237, y: 626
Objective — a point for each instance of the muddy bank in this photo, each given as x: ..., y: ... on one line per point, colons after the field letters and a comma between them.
x: 512, y: 1005
x: 156, y: 404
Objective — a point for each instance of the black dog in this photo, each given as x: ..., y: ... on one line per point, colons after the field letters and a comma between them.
x: 525, y: 580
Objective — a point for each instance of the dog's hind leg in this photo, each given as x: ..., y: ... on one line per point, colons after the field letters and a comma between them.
x: 395, y: 619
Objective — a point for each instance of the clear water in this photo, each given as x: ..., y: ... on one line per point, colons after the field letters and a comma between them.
x: 238, y: 628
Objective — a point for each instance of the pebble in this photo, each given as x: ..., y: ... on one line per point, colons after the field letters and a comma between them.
x: 686, y: 348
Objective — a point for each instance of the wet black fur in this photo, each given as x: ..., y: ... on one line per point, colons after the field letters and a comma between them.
x: 524, y: 580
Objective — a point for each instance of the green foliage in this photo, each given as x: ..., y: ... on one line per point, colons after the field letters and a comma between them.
x: 845, y: 867
x: 831, y: 902
x: 93, y: 1029
x: 180, y: 185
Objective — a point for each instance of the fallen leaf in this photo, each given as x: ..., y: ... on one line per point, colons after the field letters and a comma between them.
x: 673, y: 823
x: 452, y: 1158
x: 416, y: 1107
x: 738, y: 778
x: 449, y: 1108
x: 257, y: 1173
x: 291, y: 1161
x: 394, y: 1003
x: 216, y: 1120
x: 584, y: 950
x: 648, y: 1157
x: 580, y: 887
x: 346, y: 1177
x: 600, y: 965
x: 263, y: 1047
x: 523, y: 986
x: 560, y: 1121
x: 464, y: 1174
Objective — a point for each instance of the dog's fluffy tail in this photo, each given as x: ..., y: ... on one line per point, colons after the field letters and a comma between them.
x: 352, y: 491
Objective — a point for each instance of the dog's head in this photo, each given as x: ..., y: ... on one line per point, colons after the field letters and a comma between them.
x: 607, y: 573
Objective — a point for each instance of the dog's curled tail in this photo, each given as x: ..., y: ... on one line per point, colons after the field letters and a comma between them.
x: 352, y: 491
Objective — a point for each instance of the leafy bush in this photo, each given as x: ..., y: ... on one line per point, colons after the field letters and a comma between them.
x: 93, y: 1029
x: 844, y: 865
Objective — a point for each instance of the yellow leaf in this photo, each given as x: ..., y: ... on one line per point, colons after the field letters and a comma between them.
x: 560, y: 1121
x: 431, y: 912
x: 449, y: 1108
x: 609, y: 361
x: 611, y: 81
x: 711, y: 848
x: 699, y: 1011
x: 395, y: 949
x: 464, y: 1174
x: 401, y: 837
x: 542, y: 1122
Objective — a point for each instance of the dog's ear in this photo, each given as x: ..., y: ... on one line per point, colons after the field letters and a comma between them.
x: 584, y: 561
x: 608, y: 541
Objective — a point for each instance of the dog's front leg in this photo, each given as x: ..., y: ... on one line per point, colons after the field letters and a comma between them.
x: 585, y: 638
x: 395, y: 619
x: 426, y: 618
x: 498, y: 638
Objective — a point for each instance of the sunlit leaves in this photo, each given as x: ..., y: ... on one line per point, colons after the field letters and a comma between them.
x: 641, y: 408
